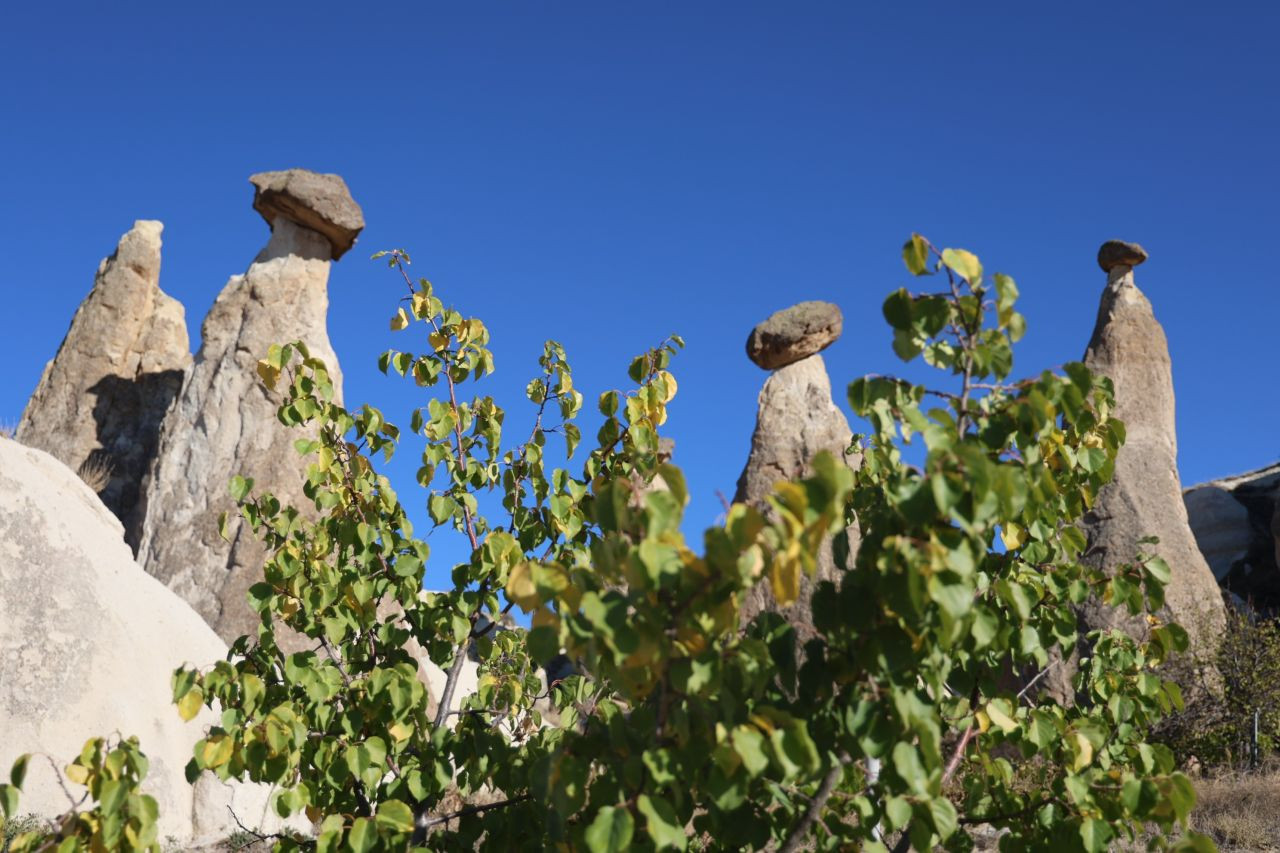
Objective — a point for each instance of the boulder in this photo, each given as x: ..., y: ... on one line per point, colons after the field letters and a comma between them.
x: 100, y: 402
x: 1145, y: 496
x: 320, y: 203
x: 1236, y: 522
x: 795, y: 420
x: 224, y: 424
x: 88, y: 643
x: 1118, y: 253
x: 794, y: 333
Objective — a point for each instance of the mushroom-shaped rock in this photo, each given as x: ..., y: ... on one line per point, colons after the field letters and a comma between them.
x: 1118, y: 253
x: 794, y: 333
x: 319, y: 202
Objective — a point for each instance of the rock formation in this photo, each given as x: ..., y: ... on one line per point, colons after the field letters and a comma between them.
x: 1236, y: 522
x: 88, y: 642
x: 1145, y: 496
x: 795, y: 420
x: 224, y: 423
x: 798, y: 332
x: 100, y: 401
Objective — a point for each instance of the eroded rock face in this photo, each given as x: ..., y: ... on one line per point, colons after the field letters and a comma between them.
x: 321, y: 203
x: 224, y: 424
x: 795, y: 420
x: 88, y: 643
x: 1145, y: 497
x: 102, y: 398
x: 794, y: 333
x: 1236, y: 522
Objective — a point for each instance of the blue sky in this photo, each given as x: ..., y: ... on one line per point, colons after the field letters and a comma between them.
x: 605, y: 174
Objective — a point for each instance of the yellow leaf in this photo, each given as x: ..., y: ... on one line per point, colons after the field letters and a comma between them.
x: 965, y: 264
x: 268, y: 373
x: 420, y: 303
x: 78, y: 773
x: 671, y: 384
x: 400, y: 320
x: 521, y: 588
x: 999, y: 711
x: 217, y: 751
x: 1013, y: 536
x: 984, y: 722
x: 438, y: 340
x: 190, y: 704
x: 784, y: 578
x: 1084, y: 753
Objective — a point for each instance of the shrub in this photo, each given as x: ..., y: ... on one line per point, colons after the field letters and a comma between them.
x: 684, y: 727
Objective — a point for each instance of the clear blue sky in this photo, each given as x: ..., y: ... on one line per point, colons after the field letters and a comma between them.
x: 606, y: 173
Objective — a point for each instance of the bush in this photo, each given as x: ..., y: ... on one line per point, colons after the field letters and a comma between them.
x: 684, y: 727
x: 1218, y: 732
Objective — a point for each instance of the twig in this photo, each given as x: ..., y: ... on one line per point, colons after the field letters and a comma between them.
x: 470, y: 810
x: 1042, y: 674
x: 801, y: 829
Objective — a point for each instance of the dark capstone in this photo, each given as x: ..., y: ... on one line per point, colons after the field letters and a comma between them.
x: 1116, y: 253
x: 794, y: 333
x: 319, y: 202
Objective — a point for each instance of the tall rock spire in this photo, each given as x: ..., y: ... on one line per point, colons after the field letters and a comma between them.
x: 224, y: 423
x: 1145, y: 496
x: 100, y: 401
x: 795, y: 420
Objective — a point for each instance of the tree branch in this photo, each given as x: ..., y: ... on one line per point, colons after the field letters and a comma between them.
x: 801, y: 830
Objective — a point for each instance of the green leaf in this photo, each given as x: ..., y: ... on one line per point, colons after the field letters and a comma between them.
x: 19, y: 771
x: 897, y: 310
x: 9, y: 801
x: 611, y: 830
x: 1095, y: 834
x: 750, y: 746
x: 240, y: 487
x: 664, y: 828
x: 363, y: 836
x: 395, y: 815
x: 915, y: 254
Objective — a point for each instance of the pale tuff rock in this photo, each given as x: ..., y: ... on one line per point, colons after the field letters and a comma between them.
x: 1236, y: 522
x: 224, y: 424
x: 320, y: 203
x: 795, y: 420
x: 794, y: 333
x: 1145, y: 496
x: 102, y: 398
x: 88, y: 643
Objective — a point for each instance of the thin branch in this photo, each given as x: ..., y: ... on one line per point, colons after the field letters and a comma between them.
x: 470, y: 810
x: 801, y: 830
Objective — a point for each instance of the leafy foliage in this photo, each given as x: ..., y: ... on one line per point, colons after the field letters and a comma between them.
x: 1246, y: 675
x: 912, y: 714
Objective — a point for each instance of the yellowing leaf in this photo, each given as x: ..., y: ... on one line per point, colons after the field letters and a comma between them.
x: 1013, y: 536
x: 1084, y: 752
x: 399, y: 731
x: 78, y: 773
x: 438, y: 340
x: 189, y: 705
x: 268, y: 374
x: 1000, y: 712
x: 965, y: 264
x: 671, y: 384
x: 521, y: 589
x: 984, y: 722
x: 784, y: 578
x: 400, y: 320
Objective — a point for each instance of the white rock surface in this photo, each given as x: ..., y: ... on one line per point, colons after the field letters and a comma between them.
x: 88, y: 643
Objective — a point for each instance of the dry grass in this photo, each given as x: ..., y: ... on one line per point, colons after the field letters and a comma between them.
x: 9, y: 429
x: 96, y: 471
x: 1239, y: 811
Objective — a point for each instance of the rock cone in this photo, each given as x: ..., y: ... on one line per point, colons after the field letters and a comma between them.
x: 795, y: 420
x: 102, y: 398
x: 88, y: 642
x: 1145, y: 496
x: 224, y: 424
